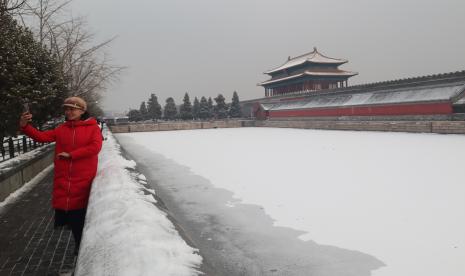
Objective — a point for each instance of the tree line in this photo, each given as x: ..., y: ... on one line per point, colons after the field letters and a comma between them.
x: 46, y: 55
x: 203, y: 109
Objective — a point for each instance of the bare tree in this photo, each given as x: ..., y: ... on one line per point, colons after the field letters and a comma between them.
x: 45, y: 14
x: 86, y: 66
x: 11, y: 6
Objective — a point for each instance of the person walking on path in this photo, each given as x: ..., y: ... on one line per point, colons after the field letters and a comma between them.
x: 77, y: 144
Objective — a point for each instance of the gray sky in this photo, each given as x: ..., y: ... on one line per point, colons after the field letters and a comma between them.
x: 206, y: 47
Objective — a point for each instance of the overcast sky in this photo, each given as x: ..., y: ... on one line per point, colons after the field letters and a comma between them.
x: 206, y: 47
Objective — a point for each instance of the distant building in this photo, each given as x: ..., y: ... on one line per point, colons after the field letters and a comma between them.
x: 440, y: 96
x: 309, y: 72
x: 116, y: 120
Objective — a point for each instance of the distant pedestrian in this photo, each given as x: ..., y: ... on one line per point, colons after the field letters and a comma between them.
x: 77, y: 144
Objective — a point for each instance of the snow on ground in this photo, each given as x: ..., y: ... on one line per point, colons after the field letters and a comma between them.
x: 396, y: 196
x: 125, y: 232
x: 13, y: 197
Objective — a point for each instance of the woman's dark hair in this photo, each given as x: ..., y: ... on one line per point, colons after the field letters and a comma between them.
x: 85, y: 116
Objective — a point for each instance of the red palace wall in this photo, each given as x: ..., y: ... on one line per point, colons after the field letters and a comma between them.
x: 384, y: 110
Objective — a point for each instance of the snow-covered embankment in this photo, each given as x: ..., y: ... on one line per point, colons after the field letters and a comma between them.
x: 125, y: 232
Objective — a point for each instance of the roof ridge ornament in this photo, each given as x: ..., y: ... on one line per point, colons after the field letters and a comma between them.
x: 311, y: 57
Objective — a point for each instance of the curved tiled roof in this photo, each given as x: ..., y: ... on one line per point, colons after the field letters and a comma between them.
x: 420, y: 79
x: 438, y: 93
x: 451, y: 77
x: 312, y: 73
x: 313, y: 57
x: 461, y: 101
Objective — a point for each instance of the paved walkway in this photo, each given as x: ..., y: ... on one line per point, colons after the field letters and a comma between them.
x: 28, y: 243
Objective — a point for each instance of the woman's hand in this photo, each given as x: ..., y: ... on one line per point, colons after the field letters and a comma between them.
x: 64, y: 155
x: 26, y: 117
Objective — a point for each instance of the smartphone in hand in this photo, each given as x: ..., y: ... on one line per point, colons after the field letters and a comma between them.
x: 26, y: 107
x: 26, y: 116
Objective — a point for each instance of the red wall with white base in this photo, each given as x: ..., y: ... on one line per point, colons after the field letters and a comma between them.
x: 384, y: 110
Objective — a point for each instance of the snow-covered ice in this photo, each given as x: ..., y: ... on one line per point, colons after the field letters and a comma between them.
x: 395, y: 196
x: 125, y: 232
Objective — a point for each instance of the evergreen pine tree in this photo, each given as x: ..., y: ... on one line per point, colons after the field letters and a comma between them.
x: 170, y: 110
x: 186, y: 108
x: 196, y: 109
x: 211, y: 109
x: 204, y: 110
x: 143, y: 111
x: 28, y: 74
x: 221, y: 109
x: 134, y: 115
x: 153, y: 108
x: 235, y: 109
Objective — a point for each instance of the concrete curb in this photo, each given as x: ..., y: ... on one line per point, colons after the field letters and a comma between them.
x: 15, y: 176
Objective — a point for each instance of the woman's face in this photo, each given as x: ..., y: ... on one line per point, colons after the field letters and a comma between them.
x: 73, y: 114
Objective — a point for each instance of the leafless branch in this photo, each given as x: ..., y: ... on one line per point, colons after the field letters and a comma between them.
x: 84, y: 65
x: 11, y: 6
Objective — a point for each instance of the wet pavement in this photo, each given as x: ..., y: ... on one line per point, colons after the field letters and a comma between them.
x: 28, y: 243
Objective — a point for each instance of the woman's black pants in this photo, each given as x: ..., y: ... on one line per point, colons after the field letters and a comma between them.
x: 75, y: 220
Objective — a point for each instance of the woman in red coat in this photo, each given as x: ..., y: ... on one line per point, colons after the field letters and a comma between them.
x: 77, y: 144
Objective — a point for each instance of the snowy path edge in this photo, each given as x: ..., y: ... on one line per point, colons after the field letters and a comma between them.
x: 16, y: 195
x: 125, y: 232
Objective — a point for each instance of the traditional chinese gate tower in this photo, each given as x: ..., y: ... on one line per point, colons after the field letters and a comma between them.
x: 309, y: 72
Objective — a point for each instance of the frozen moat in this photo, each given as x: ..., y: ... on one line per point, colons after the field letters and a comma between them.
x: 294, y: 202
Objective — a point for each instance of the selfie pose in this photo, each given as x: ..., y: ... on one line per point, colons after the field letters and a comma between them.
x: 77, y: 144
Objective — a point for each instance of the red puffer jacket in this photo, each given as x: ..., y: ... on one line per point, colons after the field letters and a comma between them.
x: 73, y: 177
